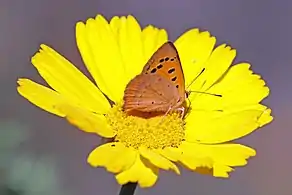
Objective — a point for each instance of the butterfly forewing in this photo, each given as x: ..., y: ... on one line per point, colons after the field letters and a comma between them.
x: 149, y: 93
x: 165, y: 62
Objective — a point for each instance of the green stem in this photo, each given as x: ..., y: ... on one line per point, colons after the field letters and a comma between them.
x: 128, y: 189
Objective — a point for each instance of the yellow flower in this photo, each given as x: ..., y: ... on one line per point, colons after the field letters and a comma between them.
x: 116, y: 51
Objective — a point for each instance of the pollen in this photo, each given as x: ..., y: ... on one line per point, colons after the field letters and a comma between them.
x: 153, y: 133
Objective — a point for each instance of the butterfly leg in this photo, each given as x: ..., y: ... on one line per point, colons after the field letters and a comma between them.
x: 182, y: 110
x: 169, y: 109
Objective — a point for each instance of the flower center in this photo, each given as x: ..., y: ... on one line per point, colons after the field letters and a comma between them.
x: 153, y: 133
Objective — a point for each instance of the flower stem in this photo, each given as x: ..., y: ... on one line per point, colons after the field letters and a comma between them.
x: 128, y: 189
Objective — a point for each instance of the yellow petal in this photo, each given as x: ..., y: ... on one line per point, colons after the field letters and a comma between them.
x: 225, y: 154
x: 221, y: 170
x: 170, y: 153
x: 115, y: 24
x: 219, y: 157
x: 265, y: 118
x: 115, y: 157
x: 230, y: 154
x: 66, y: 79
x: 218, y: 63
x: 193, y: 158
x: 41, y: 96
x: 54, y: 103
x: 101, y: 54
x: 142, y: 172
x: 158, y: 160
x: 194, y: 49
x: 239, y: 86
x: 131, y: 46
x: 222, y: 126
x: 152, y: 39
x: 87, y: 121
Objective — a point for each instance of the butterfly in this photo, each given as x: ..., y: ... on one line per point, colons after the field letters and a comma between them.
x: 161, y: 85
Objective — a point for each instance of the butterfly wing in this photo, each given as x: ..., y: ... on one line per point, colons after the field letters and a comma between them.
x: 166, y: 63
x: 149, y: 93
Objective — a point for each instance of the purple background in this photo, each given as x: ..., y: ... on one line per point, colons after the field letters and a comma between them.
x: 260, y: 31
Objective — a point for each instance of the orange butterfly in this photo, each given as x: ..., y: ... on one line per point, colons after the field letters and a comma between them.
x: 161, y: 85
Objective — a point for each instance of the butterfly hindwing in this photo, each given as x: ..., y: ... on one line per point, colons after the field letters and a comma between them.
x: 149, y: 93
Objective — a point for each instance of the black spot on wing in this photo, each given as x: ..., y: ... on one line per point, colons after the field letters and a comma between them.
x: 159, y: 66
x: 153, y: 70
x: 171, y: 70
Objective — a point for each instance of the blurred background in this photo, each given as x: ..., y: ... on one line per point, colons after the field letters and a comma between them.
x: 43, y: 154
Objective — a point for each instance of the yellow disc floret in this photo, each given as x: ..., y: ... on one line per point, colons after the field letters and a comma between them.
x: 154, y: 133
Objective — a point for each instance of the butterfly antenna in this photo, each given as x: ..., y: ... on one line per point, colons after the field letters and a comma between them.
x: 188, y: 94
x: 214, y: 94
x: 196, y: 78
